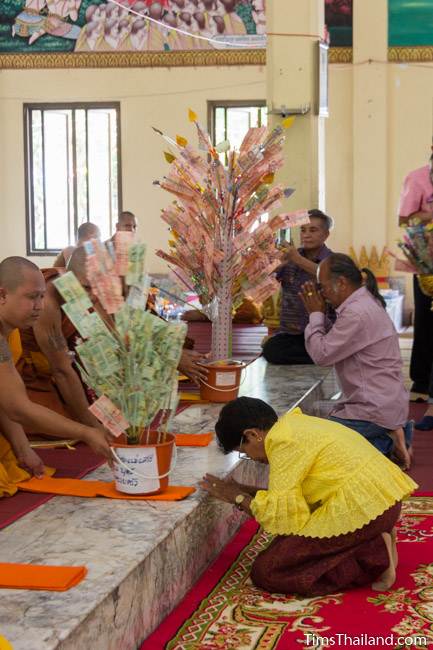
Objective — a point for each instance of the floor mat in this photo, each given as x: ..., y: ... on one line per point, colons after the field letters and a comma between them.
x: 224, y: 611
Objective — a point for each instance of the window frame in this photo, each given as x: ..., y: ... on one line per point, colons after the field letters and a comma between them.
x: 228, y: 103
x: 28, y: 164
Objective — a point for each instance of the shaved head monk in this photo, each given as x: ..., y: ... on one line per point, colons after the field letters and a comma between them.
x: 46, y: 365
x: 22, y: 294
x: 85, y: 232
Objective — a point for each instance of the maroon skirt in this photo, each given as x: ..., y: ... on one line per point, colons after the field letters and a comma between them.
x: 313, y: 566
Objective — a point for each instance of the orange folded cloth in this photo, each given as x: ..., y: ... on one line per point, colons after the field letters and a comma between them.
x: 75, y: 487
x: 193, y: 439
x: 47, y: 578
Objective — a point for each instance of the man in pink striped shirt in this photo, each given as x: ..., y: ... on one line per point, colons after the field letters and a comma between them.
x: 363, y: 347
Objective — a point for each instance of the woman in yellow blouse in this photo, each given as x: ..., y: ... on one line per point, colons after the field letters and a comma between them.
x: 332, y: 501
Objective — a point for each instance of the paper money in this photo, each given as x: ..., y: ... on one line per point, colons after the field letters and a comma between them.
x: 109, y: 415
x: 297, y: 218
x: 72, y: 291
x: 122, y: 242
x: 100, y: 356
x: 136, y: 273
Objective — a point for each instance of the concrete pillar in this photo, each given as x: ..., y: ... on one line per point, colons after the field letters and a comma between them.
x: 292, y: 80
x: 370, y: 123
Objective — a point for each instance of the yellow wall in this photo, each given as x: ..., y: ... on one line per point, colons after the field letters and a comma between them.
x: 161, y: 97
x: 149, y: 97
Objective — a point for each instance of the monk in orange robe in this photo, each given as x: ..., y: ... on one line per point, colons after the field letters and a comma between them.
x: 22, y: 292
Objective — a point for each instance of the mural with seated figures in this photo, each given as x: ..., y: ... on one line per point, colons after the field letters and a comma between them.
x: 130, y: 25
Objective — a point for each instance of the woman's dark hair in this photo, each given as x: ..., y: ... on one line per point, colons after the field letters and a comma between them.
x: 240, y: 414
x: 341, y: 265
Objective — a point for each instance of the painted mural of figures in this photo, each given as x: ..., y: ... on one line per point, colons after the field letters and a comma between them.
x: 56, y: 23
x: 259, y: 16
x: 234, y: 24
x: 116, y: 35
x: 139, y: 35
x: 172, y: 40
x: 90, y: 37
x: 128, y: 28
x: 29, y: 23
x: 202, y: 28
x: 96, y: 13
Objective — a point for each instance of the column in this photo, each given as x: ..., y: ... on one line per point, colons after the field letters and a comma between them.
x: 370, y: 136
x: 292, y: 80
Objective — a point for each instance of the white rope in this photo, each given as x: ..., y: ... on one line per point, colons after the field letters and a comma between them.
x: 143, y: 476
x: 176, y: 29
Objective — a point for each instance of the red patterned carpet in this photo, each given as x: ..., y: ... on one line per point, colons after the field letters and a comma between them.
x: 225, y: 612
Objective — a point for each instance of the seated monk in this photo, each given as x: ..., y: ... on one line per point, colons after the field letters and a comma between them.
x: 46, y: 362
x: 22, y: 291
x: 46, y: 366
x: 85, y: 232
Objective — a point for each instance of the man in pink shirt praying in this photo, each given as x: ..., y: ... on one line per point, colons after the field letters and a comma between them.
x: 363, y: 347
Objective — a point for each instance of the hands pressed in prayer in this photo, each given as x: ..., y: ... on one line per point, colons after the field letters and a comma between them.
x: 311, y: 298
x: 31, y: 462
x: 189, y: 365
x: 220, y: 489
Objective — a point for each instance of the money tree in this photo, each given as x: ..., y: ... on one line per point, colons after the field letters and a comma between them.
x: 128, y: 356
x: 223, y: 246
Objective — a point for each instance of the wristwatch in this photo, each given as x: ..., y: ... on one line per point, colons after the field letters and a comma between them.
x: 239, y: 499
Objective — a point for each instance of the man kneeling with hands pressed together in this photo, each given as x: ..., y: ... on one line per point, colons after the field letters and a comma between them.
x: 363, y: 347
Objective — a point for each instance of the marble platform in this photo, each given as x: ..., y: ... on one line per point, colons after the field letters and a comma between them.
x: 141, y: 557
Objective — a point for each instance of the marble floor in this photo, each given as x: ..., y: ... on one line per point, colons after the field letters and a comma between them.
x: 141, y: 557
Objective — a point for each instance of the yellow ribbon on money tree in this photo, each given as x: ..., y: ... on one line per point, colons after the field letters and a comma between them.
x: 128, y: 356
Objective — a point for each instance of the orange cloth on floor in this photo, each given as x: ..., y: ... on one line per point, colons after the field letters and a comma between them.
x: 47, y: 578
x: 10, y: 472
x: 193, y: 439
x: 77, y: 488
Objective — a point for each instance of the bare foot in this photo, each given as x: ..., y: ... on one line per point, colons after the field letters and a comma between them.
x: 394, y: 547
x: 400, y: 451
x: 387, y: 579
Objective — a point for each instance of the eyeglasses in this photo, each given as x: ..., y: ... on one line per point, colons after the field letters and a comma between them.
x: 242, y: 455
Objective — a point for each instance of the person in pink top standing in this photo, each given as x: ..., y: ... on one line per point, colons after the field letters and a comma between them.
x: 363, y: 347
x: 416, y: 202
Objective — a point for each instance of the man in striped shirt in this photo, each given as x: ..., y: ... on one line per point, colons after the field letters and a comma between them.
x: 298, y: 266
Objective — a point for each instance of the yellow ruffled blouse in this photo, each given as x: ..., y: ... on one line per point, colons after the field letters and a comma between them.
x: 324, y: 480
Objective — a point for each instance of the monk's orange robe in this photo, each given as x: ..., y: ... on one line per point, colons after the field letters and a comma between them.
x: 34, y: 368
x: 10, y: 472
